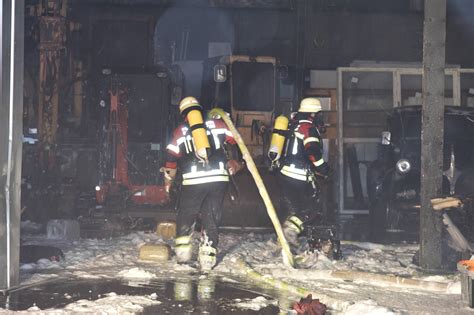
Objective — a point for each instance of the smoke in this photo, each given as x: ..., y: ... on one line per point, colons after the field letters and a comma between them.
x: 184, y: 33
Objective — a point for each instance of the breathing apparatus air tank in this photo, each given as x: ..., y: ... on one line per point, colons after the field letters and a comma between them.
x: 192, y: 110
x: 278, y: 138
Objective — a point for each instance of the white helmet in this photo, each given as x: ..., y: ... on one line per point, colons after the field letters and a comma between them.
x: 310, y: 105
x: 188, y: 102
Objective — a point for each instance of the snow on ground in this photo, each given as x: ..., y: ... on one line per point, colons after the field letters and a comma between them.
x: 136, y: 273
x: 117, y: 257
x: 111, y: 304
x: 368, y: 307
x: 255, y: 304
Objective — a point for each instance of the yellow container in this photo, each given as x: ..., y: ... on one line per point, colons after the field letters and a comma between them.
x: 167, y: 230
x: 278, y: 140
x: 154, y: 253
x: 199, y: 134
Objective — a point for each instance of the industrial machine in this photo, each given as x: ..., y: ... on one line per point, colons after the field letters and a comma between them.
x: 393, y: 180
x: 248, y: 88
x: 135, y: 118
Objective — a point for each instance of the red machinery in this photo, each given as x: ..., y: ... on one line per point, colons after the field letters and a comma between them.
x: 119, y: 186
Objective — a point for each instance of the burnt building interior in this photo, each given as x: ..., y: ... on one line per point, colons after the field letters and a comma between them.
x: 90, y: 98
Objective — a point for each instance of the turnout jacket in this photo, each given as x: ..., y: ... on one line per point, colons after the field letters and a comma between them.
x: 303, y: 152
x: 181, y: 152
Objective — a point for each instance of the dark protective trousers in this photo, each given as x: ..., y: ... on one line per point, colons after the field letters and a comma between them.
x: 297, y: 199
x: 204, y: 200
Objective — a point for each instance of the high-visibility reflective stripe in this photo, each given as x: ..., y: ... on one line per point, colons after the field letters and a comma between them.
x: 173, y: 148
x: 189, y: 141
x: 204, y: 180
x: 183, y: 240
x: 210, y: 124
x: 207, y: 250
x: 190, y: 144
x: 295, y: 148
x: 294, y: 173
x: 192, y: 174
x: 293, y: 169
x: 292, y: 226
x: 299, y: 135
x: 319, y: 162
x: 215, y: 134
x: 218, y: 131
x: 200, y: 177
x: 217, y: 143
x: 310, y: 139
x: 186, y: 146
x: 229, y: 134
x: 297, y: 222
x: 182, y: 140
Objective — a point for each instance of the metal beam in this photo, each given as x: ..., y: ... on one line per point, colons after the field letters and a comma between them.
x: 11, y: 112
x: 432, y: 135
x: 300, y: 35
x: 241, y: 4
x: 52, y: 26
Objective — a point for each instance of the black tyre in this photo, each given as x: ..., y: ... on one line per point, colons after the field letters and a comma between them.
x: 384, y: 221
x: 377, y: 220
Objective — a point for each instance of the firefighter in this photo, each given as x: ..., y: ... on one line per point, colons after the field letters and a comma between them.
x: 301, y: 162
x: 197, y: 149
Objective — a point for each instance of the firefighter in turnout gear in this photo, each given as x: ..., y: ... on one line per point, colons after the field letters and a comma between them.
x: 301, y: 162
x: 197, y: 149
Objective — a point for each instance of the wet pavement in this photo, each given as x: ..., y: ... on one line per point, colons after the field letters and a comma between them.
x: 197, y: 295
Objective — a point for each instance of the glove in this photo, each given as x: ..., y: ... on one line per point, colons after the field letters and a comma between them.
x: 169, y: 176
x: 323, y: 170
x: 234, y: 167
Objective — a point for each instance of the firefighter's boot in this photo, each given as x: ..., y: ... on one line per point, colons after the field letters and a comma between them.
x: 183, y: 249
x: 207, y: 257
x: 292, y: 227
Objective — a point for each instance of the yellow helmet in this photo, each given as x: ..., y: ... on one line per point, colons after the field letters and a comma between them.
x: 310, y: 105
x: 187, y: 103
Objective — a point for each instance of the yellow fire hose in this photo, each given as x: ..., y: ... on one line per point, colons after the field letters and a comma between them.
x: 240, y: 265
x: 287, y: 256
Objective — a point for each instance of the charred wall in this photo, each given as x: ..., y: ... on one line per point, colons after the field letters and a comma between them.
x: 335, y: 33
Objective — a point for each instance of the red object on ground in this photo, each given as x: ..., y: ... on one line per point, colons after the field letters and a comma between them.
x: 469, y: 264
x: 140, y: 194
x: 308, y: 306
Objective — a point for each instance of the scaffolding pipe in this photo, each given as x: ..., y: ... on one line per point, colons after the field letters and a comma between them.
x: 11, y: 107
x: 10, y: 141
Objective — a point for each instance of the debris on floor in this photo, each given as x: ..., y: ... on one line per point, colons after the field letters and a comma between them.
x: 116, y: 258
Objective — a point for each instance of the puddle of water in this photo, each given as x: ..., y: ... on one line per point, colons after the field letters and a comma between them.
x: 178, y: 296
